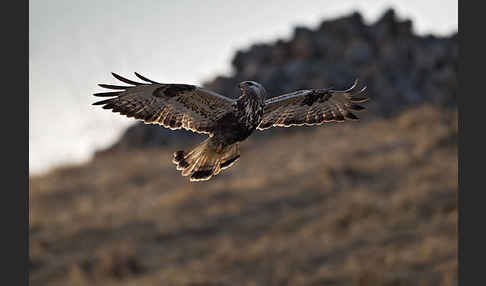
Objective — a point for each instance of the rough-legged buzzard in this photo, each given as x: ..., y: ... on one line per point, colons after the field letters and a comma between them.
x: 227, y: 121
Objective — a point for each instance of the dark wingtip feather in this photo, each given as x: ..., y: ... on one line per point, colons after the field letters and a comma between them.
x: 107, y: 94
x: 356, y: 107
x: 358, y: 99
x: 110, y: 105
x: 352, y: 116
x: 355, y: 84
x: 125, y: 80
x: 145, y: 79
x: 109, y: 86
x: 102, y: 102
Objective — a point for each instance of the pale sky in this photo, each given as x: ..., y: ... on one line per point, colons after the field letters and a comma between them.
x: 76, y: 44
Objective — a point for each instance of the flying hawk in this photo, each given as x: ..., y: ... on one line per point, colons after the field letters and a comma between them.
x: 227, y: 121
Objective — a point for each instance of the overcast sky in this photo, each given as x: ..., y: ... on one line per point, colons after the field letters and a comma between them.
x: 76, y: 44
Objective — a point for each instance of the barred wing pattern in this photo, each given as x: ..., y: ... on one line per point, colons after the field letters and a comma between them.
x: 174, y: 106
x: 312, y: 107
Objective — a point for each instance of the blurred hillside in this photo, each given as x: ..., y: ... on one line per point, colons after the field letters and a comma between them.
x: 357, y: 203
x: 399, y: 68
x: 370, y: 202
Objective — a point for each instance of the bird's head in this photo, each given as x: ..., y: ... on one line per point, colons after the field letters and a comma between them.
x: 252, y: 88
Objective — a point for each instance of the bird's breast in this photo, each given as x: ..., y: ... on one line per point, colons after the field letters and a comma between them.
x: 239, y: 123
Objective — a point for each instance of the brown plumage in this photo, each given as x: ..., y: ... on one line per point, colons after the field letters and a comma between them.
x: 226, y: 121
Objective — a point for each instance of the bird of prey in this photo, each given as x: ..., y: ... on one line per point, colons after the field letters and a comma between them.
x: 227, y: 121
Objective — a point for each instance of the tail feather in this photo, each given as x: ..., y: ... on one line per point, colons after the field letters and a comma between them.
x: 206, y: 160
x: 229, y: 162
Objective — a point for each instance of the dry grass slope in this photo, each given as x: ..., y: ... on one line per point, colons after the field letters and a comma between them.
x: 368, y: 203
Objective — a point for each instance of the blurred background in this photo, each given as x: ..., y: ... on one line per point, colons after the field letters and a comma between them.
x: 372, y: 202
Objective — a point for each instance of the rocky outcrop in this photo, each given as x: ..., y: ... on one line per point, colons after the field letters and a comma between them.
x: 399, y: 68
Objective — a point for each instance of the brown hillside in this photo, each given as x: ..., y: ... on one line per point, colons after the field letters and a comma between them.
x: 356, y: 203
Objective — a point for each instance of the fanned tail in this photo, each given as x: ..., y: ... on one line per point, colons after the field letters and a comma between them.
x: 206, y: 160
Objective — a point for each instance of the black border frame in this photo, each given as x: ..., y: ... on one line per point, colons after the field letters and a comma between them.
x: 15, y: 212
x: 470, y: 189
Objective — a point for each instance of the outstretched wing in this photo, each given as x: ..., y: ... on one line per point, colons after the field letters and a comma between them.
x: 312, y: 107
x: 174, y: 106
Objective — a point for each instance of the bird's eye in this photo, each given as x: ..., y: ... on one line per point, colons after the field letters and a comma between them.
x: 249, y: 83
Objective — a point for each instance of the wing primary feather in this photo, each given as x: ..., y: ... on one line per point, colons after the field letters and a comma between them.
x: 102, y: 102
x: 125, y: 80
x: 353, y: 86
x: 356, y: 107
x: 362, y: 90
x: 107, y: 94
x: 109, y: 86
x: 358, y: 99
x: 352, y: 116
x: 145, y: 79
x: 109, y: 106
